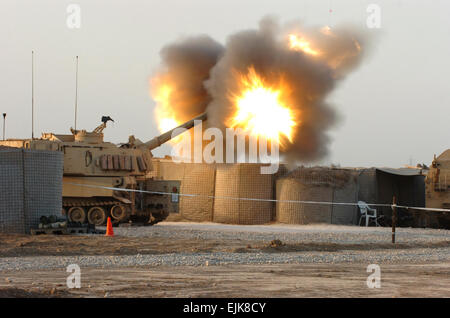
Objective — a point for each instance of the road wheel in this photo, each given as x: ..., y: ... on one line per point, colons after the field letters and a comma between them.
x: 76, y: 214
x: 96, y: 216
x: 119, y: 212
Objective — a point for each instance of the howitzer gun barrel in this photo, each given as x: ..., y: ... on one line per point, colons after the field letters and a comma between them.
x: 165, y: 137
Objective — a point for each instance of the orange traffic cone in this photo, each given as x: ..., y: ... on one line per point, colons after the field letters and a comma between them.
x: 109, y: 228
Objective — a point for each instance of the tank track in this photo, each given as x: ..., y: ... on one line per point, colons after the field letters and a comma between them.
x: 88, y: 203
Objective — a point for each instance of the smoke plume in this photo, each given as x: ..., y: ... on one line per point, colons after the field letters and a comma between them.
x: 307, y: 63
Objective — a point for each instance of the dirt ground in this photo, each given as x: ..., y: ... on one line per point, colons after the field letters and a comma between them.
x: 13, y: 245
x: 344, y: 279
x: 283, y: 280
x: 67, y: 245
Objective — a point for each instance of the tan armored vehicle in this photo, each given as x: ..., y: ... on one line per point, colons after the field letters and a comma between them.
x: 437, y: 190
x: 94, y: 169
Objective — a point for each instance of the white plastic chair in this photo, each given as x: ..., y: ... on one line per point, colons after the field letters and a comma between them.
x: 365, y: 213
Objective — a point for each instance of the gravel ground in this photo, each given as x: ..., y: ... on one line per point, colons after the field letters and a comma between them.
x: 207, y: 259
x: 285, y: 233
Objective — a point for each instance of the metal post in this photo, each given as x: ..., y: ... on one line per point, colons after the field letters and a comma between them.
x: 24, y: 195
x: 394, y: 218
x: 76, y: 92
x: 4, y: 125
x: 133, y: 201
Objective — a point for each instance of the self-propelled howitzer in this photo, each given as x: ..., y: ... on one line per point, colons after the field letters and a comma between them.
x: 99, y: 177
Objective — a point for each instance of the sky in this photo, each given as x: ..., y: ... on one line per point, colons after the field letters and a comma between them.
x: 394, y: 109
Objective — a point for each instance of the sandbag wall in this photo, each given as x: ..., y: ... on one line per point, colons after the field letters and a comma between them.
x: 30, y: 187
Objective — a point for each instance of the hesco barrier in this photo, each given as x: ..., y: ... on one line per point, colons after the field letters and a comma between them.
x: 320, y: 185
x: 242, y: 181
x: 30, y: 187
x: 299, y: 213
x: 197, y: 179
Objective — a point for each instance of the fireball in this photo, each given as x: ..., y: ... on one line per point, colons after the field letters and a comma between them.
x: 162, y: 92
x: 260, y: 108
x: 299, y: 43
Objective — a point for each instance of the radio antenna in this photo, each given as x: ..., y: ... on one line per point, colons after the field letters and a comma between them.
x: 76, y: 92
x: 32, y: 94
